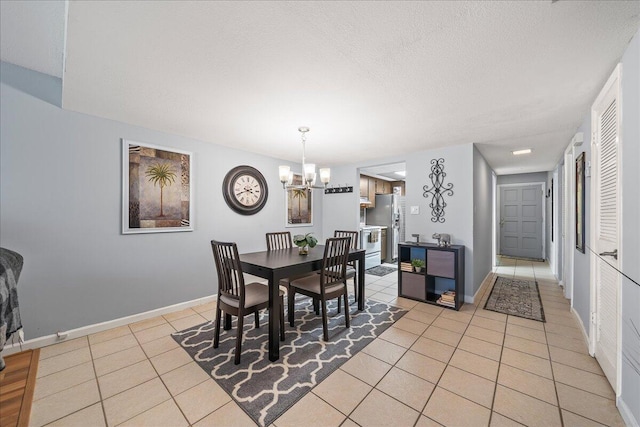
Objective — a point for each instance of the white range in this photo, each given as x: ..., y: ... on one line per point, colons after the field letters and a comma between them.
x: 370, y: 240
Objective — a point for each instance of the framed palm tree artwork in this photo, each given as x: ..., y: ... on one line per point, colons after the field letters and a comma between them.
x: 156, y: 189
x: 299, y: 205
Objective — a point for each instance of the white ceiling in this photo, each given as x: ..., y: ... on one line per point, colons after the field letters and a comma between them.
x: 371, y: 79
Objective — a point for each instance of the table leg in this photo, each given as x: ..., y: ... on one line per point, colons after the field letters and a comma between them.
x: 360, y: 274
x: 274, y: 319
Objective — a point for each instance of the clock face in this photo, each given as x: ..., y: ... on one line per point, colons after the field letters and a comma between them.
x: 245, y: 190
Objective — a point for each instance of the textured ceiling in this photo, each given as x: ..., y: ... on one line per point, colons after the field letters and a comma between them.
x: 371, y: 79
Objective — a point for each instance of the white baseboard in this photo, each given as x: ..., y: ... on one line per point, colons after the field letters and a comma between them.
x: 99, y: 327
x: 626, y: 413
x: 488, y: 280
x: 585, y: 334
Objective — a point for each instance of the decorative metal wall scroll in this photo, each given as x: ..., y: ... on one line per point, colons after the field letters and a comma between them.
x: 438, y: 191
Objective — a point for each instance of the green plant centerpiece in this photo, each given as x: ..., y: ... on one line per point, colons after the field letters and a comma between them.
x: 304, y: 242
x: 417, y: 264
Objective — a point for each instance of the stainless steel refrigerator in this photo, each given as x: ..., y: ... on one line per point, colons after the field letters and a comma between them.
x: 388, y: 213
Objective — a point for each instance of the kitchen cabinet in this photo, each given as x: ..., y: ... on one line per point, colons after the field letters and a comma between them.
x: 364, y: 186
x: 443, y: 273
x: 372, y: 192
x: 383, y: 187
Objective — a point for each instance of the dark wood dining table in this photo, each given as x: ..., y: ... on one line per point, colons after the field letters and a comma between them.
x: 281, y: 263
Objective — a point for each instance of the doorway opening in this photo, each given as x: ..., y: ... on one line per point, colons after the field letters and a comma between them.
x: 382, y: 207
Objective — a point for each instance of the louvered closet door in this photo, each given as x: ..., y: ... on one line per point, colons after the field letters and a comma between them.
x: 606, y: 134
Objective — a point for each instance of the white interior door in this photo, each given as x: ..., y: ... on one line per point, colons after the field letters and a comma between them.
x: 521, y: 221
x: 605, y: 240
x: 568, y: 228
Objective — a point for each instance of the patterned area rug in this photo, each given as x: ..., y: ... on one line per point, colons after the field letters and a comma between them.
x: 264, y: 389
x: 380, y: 270
x: 516, y: 297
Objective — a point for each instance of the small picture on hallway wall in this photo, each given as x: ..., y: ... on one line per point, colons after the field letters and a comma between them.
x: 156, y: 189
x: 580, y: 203
x: 299, y: 207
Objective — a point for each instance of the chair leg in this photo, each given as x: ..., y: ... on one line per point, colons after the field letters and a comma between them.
x: 257, y: 317
x: 281, y: 318
x: 355, y: 289
x: 291, y: 295
x: 339, y: 303
x: 216, y: 336
x: 236, y: 360
x: 346, y: 307
x: 316, y: 306
x: 325, y: 329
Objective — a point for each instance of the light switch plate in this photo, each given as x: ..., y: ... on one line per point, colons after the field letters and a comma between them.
x: 415, y: 210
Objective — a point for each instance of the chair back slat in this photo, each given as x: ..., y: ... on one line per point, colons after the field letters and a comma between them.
x: 352, y: 234
x: 334, y: 262
x: 230, y: 277
x: 279, y: 240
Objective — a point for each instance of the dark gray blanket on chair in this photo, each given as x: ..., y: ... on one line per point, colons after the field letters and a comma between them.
x: 10, y: 268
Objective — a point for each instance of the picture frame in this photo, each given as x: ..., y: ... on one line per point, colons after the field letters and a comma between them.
x: 299, y: 205
x: 157, y: 192
x: 580, y: 203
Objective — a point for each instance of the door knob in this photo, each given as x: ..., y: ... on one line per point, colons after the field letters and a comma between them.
x: 614, y: 254
x: 501, y: 222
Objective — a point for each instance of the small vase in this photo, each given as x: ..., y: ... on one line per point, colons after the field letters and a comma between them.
x: 303, y: 250
x: 418, y: 269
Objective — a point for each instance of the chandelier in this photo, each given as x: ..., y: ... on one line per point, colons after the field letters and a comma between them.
x: 308, y: 171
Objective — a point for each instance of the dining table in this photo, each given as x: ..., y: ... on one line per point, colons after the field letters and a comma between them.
x: 278, y: 264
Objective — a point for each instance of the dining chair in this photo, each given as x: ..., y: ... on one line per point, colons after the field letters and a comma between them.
x: 327, y: 285
x: 351, y: 265
x: 237, y: 298
x: 281, y: 240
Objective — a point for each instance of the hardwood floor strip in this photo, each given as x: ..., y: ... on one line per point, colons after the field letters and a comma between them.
x: 27, y: 400
x: 17, y: 384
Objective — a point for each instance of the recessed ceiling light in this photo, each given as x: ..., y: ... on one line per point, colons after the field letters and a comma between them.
x: 519, y: 152
x: 401, y: 173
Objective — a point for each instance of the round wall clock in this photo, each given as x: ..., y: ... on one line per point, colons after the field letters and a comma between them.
x: 245, y: 190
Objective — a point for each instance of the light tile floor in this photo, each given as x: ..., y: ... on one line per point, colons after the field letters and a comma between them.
x: 433, y: 367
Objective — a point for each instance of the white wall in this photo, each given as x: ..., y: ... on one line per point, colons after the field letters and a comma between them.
x: 629, y: 400
x: 60, y: 207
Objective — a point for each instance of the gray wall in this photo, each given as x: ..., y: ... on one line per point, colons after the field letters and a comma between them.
x: 459, y: 222
x: 522, y: 178
x: 458, y: 165
x: 60, y: 207
x: 630, y: 251
x: 482, y: 218
x: 581, y: 261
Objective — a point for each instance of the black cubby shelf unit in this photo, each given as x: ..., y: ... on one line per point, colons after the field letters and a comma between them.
x: 443, y: 272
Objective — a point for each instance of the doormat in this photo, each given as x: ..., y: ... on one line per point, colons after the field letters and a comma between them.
x: 380, y: 270
x: 264, y: 389
x: 516, y: 297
